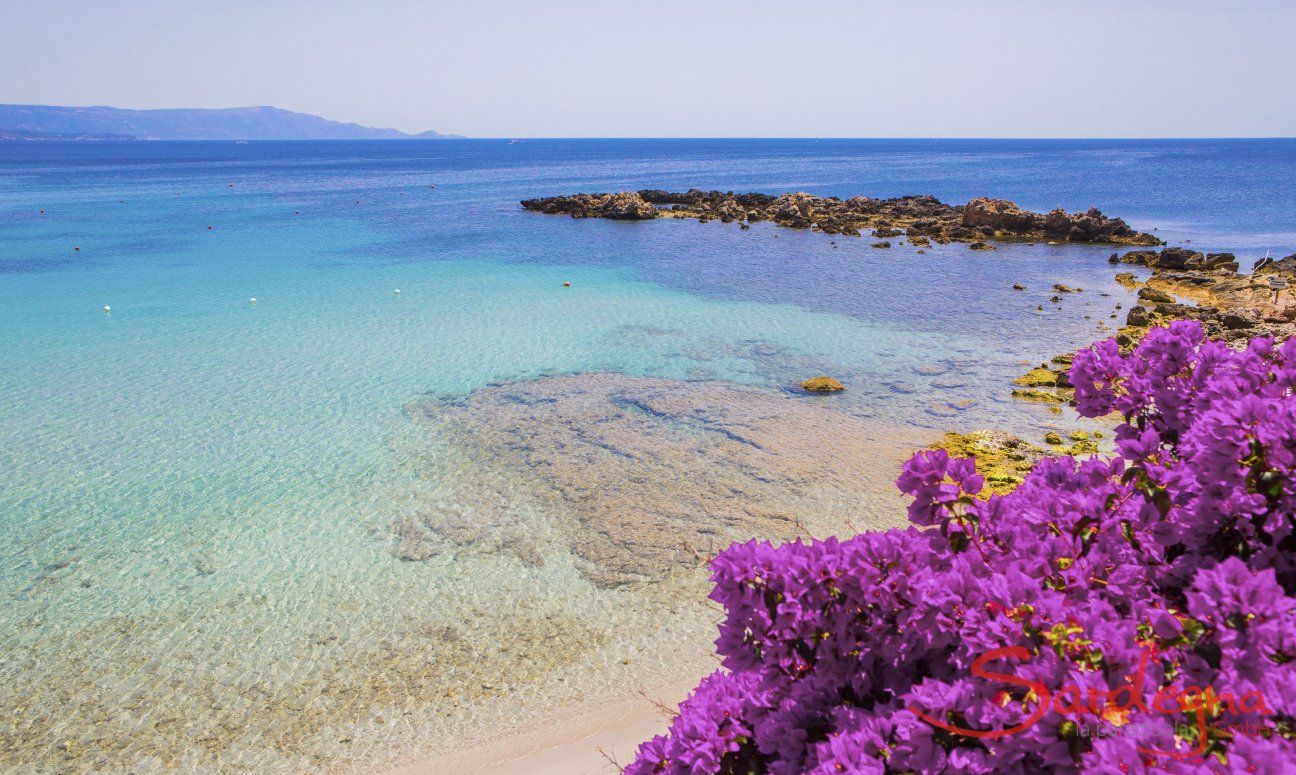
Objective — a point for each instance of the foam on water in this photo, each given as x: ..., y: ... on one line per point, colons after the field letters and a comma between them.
x: 199, y: 492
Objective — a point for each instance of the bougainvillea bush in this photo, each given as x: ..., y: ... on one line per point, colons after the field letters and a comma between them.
x: 1117, y: 614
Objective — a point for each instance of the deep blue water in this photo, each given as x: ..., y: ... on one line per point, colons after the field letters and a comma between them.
x: 191, y: 428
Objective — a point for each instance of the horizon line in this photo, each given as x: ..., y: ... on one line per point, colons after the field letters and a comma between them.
x: 510, y: 138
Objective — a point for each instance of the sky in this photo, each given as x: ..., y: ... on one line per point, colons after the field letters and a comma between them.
x: 664, y: 68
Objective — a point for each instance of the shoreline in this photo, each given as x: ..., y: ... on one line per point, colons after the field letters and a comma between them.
x: 586, y: 744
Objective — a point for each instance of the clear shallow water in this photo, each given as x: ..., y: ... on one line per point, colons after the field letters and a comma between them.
x: 198, y: 493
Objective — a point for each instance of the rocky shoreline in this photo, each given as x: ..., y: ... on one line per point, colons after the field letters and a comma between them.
x: 923, y: 219
x: 1187, y: 285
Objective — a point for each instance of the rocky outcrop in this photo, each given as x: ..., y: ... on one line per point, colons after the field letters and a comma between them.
x: 922, y: 218
x: 1190, y: 285
x: 1006, y: 218
x: 1179, y: 258
x: 1285, y: 267
x: 624, y: 206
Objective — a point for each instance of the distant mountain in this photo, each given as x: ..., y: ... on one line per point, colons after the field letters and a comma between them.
x: 28, y: 134
x: 51, y: 122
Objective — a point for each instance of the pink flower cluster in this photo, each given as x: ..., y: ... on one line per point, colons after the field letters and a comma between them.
x: 1148, y: 596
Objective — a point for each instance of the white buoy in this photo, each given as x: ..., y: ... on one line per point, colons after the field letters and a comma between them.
x: 252, y: 300
x: 396, y: 292
x: 107, y: 309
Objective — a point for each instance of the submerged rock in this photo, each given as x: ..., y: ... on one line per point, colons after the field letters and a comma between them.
x: 822, y: 385
x: 640, y: 476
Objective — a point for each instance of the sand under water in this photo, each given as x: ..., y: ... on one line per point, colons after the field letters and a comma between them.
x: 547, y: 553
x: 640, y: 476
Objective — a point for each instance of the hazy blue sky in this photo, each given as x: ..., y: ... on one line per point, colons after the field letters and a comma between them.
x: 1009, y: 68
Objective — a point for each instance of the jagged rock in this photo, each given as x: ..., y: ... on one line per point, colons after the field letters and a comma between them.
x: 1154, y: 296
x: 1237, y: 321
x: 1281, y: 266
x: 1000, y: 215
x: 1089, y: 226
x: 1137, y: 316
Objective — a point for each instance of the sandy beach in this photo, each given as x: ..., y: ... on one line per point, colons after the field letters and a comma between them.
x: 596, y: 741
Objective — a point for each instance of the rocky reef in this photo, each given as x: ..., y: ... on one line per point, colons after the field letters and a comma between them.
x: 640, y: 476
x: 921, y: 218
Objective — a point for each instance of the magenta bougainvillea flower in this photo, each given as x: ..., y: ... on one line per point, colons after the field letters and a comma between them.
x: 1118, y: 614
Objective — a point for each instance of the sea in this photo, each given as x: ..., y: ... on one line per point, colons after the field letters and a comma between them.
x: 218, y: 362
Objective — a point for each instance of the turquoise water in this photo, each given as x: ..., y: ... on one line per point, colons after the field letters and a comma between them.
x: 198, y: 488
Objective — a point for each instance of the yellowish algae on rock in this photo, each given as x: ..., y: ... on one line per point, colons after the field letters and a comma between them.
x: 1038, y: 377
x: 1003, y: 459
x: 822, y: 385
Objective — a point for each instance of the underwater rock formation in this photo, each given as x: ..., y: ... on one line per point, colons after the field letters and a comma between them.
x: 641, y: 476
